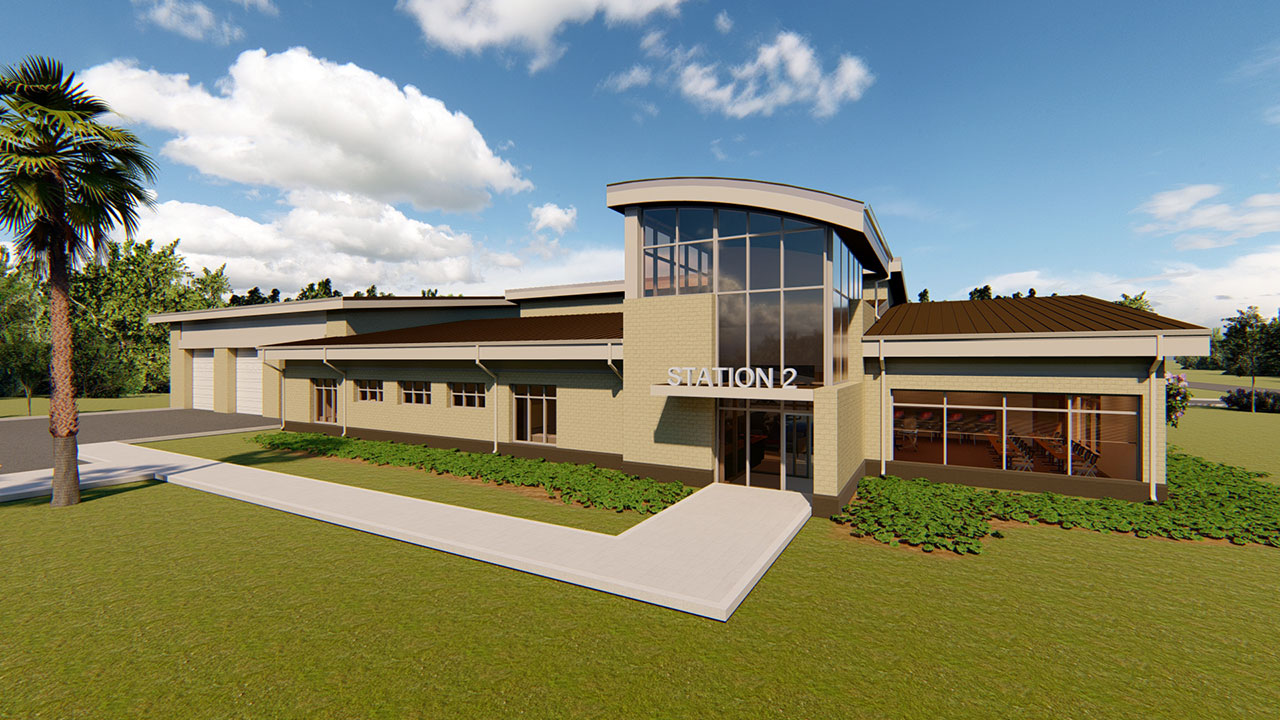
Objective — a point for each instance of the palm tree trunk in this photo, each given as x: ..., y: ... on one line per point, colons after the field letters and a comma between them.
x: 64, y: 420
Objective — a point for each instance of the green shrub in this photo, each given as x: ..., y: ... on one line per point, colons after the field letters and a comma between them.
x: 1206, y: 500
x: 586, y: 484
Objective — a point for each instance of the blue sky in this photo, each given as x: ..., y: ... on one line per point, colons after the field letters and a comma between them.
x: 1090, y: 147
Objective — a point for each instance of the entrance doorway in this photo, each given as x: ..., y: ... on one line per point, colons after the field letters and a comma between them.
x: 766, y: 443
x: 326, y: 404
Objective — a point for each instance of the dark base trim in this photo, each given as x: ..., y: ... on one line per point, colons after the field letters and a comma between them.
x: 666, y: 473
x: 827, y: 505
x: 1027, y: 481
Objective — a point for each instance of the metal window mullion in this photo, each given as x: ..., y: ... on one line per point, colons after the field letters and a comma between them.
x: 1004, y: 432
x: 944, y: 428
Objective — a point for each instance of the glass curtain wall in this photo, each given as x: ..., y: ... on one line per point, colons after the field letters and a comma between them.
x: 846, y: 290
x: 768, y: 272
x: 1082, y: 435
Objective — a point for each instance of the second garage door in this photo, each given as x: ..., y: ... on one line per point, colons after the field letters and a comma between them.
x: 248, y: 382
x: 202, y: 380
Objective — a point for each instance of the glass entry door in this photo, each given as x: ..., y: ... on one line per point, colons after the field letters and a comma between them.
x: 766, y: 443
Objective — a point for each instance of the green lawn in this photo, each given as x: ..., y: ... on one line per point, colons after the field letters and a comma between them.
x: 153, y: 597
x: 1250, y: 440
x: 1219, y: 378
x: 12, y: 406
x: 239, y: 448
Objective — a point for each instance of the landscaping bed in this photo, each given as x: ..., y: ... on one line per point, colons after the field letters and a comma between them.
x: 1205, y: 500
x: 587, y: 485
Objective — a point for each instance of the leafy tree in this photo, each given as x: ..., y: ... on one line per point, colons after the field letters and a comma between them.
x: 1244, y: 345
x: 980, y: 293
x: 432, y: 292
x: 1137, y: 302
x: 115, y: 296
x: 24, y: 347
x: 66, y: 180
x: 255, y: 297
x: 372, y: 292
x: 315, y: 290
x: 923, y: 296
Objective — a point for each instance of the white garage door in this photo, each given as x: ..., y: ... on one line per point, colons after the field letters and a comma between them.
x: 202, y: 380
x: 248, y: 382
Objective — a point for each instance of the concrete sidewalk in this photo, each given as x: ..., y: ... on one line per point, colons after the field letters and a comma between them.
x: 701, y: 556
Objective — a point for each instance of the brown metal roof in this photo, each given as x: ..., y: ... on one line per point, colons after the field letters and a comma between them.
x: 1056, y: 314
x: 548, y: 328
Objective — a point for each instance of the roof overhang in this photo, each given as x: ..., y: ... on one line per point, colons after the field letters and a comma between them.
x: 603, y: 350
x: 294, y: 307
x: 1080, y: 344
x: 851, y: 218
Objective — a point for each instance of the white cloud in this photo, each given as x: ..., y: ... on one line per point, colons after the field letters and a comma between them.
x: 1200, y: 294
x: 550, y: 216
x: 1201, y: 242
x: 297, y: 122
x: 636, y: 76
x: 266, y: 7
x: 358, y: 242
x: 1184, y: 211
x: 1170, y: 203
x: 189, y: 18
x: 1272, y: 115
x: 724, y: 23
x: 717, y: 151
x: 784, y: 72
x: 473, y: 25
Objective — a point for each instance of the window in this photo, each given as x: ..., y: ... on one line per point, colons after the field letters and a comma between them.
x: 325, y: 391
x: 415, y: 392
x: 1082, y: 435
x: 467, y: 394
x: 535, y: 415
x: 369, y: 390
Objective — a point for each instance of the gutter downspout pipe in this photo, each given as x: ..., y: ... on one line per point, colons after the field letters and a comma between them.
x: 495, y: 398
x: 1151, y: 425
x: 324, y: 358
x: 884, y: 390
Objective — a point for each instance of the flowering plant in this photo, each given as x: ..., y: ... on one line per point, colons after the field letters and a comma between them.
x: 1175, y: 399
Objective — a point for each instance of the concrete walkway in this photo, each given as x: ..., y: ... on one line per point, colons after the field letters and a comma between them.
x: 701, y: 556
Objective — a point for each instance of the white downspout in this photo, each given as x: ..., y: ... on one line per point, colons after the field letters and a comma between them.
x: 279, y: 395
x: 495, y: 398
x: 884, y: 390
x: 1151, y: 423
x: 324, y: 358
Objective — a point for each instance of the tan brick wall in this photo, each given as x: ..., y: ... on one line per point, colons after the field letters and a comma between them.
x: 589, y: 407
x: 224, y: 380
x: 270, y: 390
x: 1106, y: 377
x: 588, y: 403
x: 179, y: 371
x: 661, y: 333
x: 569, y: 306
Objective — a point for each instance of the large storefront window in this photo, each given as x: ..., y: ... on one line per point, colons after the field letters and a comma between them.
x: 766, y: 443
x: 769, y: 272
x: 1082, y: 435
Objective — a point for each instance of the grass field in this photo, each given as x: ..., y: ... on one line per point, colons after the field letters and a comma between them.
x: 11, y: 406
x: 156, y: 600
x: 1219, y: 378
x: 1250, y: 440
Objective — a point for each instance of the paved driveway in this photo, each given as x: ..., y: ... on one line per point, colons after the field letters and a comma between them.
x: 25, y: 443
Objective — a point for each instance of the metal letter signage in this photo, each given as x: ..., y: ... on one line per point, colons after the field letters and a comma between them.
x: 743, y: 377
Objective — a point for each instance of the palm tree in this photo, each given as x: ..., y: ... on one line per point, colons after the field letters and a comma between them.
x: 66, y: 180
